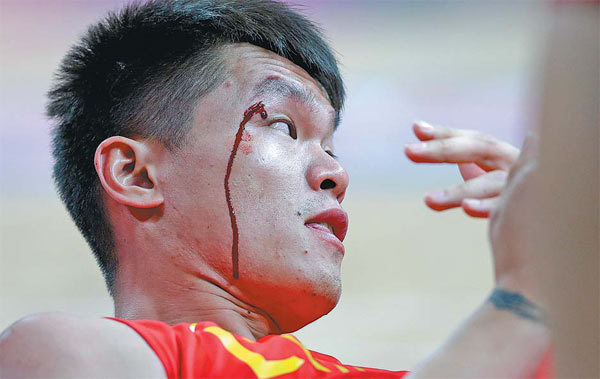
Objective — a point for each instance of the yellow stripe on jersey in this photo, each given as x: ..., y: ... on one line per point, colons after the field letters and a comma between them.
x: 342, y: 369
x: 262, y: 367
x: 317, y: 365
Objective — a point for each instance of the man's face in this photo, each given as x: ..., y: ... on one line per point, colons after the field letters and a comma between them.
x: 282, y: 181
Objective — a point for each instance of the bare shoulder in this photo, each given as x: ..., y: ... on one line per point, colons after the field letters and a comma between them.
x: 62, y: 345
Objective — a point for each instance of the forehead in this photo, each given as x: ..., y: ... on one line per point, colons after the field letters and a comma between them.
x: 258, y: 71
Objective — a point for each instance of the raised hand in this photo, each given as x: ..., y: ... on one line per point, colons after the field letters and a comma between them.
x: 483, y: 161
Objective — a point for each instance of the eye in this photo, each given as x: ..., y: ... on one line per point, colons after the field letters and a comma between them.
x: 286, y: 127
x: 331, y: 154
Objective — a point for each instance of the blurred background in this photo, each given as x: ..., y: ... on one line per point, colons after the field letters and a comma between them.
x: 410, y: 275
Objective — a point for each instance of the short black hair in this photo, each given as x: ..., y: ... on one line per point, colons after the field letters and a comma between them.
x: 140, y: 72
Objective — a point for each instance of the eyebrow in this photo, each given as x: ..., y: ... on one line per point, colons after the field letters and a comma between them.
x: 281, y: 87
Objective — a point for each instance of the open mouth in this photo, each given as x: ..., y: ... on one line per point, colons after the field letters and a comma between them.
x: 322, y: 226
x: 331, y: 225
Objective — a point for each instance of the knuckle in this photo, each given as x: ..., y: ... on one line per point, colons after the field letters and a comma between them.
x: 488, y: 139
x: 444, y: 144
x: 442, y: 148
x: 454, y: 192
x: 486, y: 160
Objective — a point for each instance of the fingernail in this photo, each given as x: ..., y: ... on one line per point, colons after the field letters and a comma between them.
x: 437, y: 195
x: 425, y: 127
x: 473, y: 203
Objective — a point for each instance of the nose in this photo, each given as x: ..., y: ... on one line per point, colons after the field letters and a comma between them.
x: 326, y: 174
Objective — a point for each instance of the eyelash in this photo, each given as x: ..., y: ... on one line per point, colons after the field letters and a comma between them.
x: 291, y: 128
x: 293, y: 134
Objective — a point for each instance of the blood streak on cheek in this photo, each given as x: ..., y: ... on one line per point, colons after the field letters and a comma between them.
x: 251, y: 111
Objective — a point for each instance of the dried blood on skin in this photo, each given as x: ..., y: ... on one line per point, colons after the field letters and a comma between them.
x: 251, y: 111
x: 246, y: 149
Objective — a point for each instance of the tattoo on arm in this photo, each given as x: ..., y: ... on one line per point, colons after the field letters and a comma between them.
x: 519, y: 305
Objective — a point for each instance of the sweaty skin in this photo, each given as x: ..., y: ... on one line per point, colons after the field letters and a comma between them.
x: 275, y: 190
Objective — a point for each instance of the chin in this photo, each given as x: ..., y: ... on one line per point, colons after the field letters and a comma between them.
x: 310, y: 305
x: 294, y: 291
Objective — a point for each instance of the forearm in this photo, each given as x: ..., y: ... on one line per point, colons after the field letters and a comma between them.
x: 567, y: 234
x: 493, y: 342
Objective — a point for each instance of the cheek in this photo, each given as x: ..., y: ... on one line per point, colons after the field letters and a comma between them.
x: 269, y: 185
x: 277, y: 154
x: 195, y: 201
x: 270, y: 169
x: 246, y: 149
x: 247, y: 137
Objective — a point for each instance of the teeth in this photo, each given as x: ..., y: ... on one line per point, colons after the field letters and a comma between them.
x: 327, y: 226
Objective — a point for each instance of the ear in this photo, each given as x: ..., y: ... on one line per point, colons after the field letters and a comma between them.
x: 128, y: 172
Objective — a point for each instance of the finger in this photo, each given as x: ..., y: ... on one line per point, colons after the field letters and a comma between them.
x: 484, y: 186
x: 469, y: 171
x: 487, y: 152
x: 480, y: 207
x: 426, y: 132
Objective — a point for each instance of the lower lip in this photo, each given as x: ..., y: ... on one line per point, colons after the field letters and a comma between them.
x: 328, y: 237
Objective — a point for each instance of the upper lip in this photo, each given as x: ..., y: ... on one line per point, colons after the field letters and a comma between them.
x: 336, y: 218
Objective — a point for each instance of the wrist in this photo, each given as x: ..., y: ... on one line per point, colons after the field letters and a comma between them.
x: 518, y: 304
x: 524, y: 282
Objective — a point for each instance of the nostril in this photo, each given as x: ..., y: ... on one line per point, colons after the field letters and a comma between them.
x: 327, y: 184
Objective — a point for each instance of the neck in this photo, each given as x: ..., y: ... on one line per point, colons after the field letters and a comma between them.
x: 192, y: 299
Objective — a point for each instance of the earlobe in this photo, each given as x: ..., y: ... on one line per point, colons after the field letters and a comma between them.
x: 128, y: 173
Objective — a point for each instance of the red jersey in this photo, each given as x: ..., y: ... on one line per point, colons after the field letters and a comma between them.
x: 201, y: 350
x: 204, y: 349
